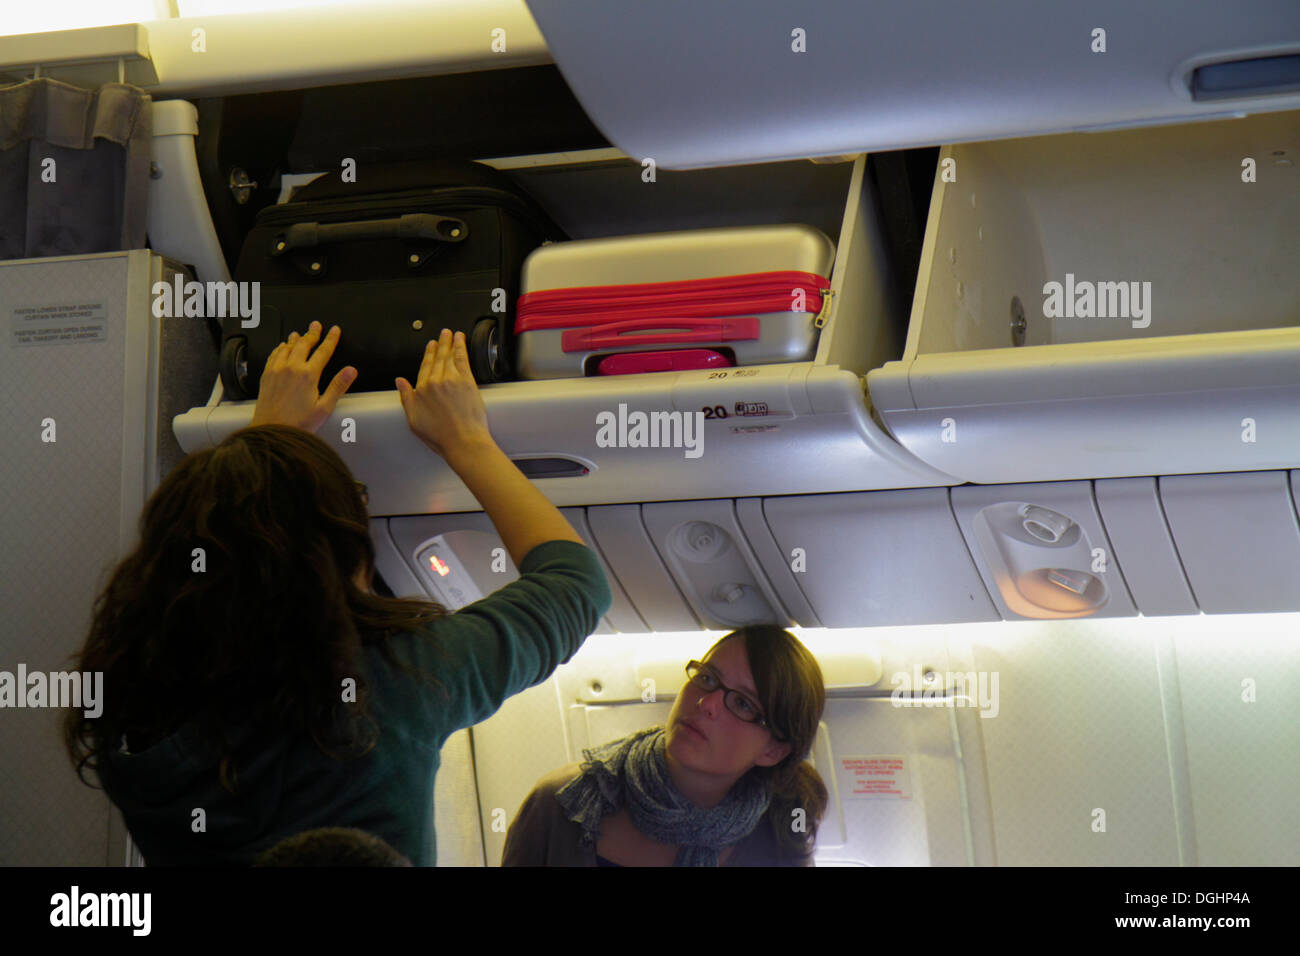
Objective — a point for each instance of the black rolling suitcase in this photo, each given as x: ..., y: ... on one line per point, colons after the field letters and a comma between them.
x: 411, y: 249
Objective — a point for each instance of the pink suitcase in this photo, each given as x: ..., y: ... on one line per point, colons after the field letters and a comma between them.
x: 749, y: 295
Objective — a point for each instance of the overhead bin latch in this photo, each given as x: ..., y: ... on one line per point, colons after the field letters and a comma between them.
x: 241, y: 187
x: 824, y: 315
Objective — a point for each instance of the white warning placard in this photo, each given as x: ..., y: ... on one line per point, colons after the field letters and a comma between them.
x: 885, y: 776
x: 67, y: 323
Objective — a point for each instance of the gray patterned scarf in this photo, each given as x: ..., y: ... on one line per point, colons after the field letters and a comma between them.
x: 632, y: 772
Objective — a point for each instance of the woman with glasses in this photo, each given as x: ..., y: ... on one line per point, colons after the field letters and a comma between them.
x: 255, y: 686
x: 724, y: 783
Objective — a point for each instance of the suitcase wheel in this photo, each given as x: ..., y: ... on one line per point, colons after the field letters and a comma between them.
x: 234, y: 368
x: 485, y: 359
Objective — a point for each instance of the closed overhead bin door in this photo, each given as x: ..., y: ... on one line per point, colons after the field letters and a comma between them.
x: 710, y: 82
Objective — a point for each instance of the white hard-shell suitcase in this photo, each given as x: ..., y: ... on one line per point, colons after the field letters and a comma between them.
x: 748, y: 295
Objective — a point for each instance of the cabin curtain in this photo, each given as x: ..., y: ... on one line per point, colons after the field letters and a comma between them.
x: 74, y: 168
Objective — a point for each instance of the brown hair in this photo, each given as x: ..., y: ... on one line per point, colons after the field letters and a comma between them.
x: 793, y: 696
x: 332, y: 846
x: 259, y: 629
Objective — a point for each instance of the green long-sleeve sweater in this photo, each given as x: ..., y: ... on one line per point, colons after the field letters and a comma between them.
x: 496, y: 647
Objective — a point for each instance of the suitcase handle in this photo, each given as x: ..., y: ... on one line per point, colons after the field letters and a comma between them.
x: 307, y: 235
x: 614, y: 334
x: 632, y: 363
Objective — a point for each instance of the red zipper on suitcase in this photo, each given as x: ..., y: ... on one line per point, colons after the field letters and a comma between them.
x: 691, y: 298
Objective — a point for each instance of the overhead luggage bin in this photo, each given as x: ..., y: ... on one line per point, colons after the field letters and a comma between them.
x: 1112, y: 305
x: 708, y: 82
x: 792, y: 428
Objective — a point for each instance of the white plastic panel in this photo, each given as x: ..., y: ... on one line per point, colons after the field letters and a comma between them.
x: 72, y: 507
x: 890, y: 828
x: 775, y: 565
x: 622, y: 615
x: 883, y: 557
x: 628, y: 550
x: 1295, y: 489
x: 1238, y: 539
x: 865, y: 315
x: 1136, y: 524
x: 392, y: 567
x: 1080, y: 743
x: 180, y: 223
x: 703, y: 547
x: 1042, y: 550
x: 513, y: 749
x: 1241, y: 721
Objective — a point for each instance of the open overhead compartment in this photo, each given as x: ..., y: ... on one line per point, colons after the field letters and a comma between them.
x: 1111, y: 305
x: 767, y: 429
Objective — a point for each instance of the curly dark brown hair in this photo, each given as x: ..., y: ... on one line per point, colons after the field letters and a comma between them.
x: 259, y: 627
x: 332, y: 846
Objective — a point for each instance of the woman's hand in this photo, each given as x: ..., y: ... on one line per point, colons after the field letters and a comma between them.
x: 288, y: 394
x: 445, y: 409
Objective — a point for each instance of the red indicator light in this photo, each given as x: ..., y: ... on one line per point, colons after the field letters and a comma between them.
x: 439, y: 565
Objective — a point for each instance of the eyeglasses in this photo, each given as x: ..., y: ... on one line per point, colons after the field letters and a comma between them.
x: 365, y: 495
x: 706, y: 679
